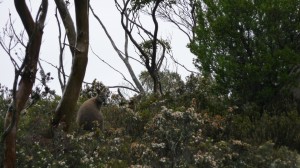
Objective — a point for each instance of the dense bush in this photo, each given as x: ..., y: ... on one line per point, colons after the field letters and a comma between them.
x: 282, y: 129
x: 164, y: 138
x: 157, y: 133
x: 5, y: 97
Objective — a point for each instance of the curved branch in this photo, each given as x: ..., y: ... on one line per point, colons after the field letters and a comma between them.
x: 25, y: 16
x: 61, y: 70
x: 136, y: 44
x: 120, y: 54
x: 68, y: 23
x: 124, y: 87
x: 183, y: 66
x: 154, y: 41
x: 113, y: 69
x: 107, y: 34
x: 161, y: 59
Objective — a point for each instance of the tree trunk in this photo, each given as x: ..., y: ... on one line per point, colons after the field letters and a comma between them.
x: 35, y: 33
x: 156, y: 82
x: 133, y: 76
x: 66, y: 106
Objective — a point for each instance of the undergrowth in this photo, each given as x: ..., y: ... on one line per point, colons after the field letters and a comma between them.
x: 159, y: 138
x: 157, y: 132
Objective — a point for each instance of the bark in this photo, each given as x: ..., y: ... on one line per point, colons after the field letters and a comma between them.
x: 153, y: 70
x: 68, y: 23
x: 29, y: 69
x: 66, y: 106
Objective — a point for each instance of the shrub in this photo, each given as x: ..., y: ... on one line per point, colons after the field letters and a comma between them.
x: 155, y: 136
x: 281, y: 129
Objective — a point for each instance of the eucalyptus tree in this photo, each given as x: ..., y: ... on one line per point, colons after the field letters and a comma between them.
x: 145, y: 41
x: 26, y: 72
x: 171, y: 82
x: 78, y: 44
x: 251, y: 48
x: 22, y: 88
x: 181, y: 13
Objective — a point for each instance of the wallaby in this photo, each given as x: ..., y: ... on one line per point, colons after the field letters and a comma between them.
x: 89, y: 115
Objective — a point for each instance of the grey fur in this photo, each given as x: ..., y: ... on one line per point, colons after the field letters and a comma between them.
x: 89, y: 113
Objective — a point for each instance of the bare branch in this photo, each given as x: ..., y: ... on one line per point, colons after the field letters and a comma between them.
x: 108, y: 35
x: 113, y: 69
x: 124, y: 87
x: 128, y: 32
x: 42, y: 13
x: 183, y: 66
x: 148, y: 48
x: 181, y: 14
x: 12, y: 28
x: 68, y: 23
x: 61, y: 71
x: 124, y: 57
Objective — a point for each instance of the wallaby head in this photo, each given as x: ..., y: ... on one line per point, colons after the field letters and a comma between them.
x: 102, y: 96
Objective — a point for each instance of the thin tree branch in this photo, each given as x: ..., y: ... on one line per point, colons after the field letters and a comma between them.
x: 113, y: 69
x: 124, y: 87
x: 61, y: 71
x: 68, y: 23
x: 123, y: 57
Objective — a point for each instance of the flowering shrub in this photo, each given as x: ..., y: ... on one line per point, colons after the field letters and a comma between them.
x: 168, y: 135
x: 236, y: 153
x: 177, y: 139
x: 146, y: 137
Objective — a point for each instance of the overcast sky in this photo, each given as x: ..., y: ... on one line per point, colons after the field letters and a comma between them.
x: 98, y: 41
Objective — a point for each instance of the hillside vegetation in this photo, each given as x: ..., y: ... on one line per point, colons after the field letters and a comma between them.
x: 190, y: 129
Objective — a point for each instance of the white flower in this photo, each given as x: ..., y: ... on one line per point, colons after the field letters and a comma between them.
x: 95, y: 153
x: 163, y: 159
x: 71, y: 136
x: 61, y: 163
x: 84, y: 159
x: 158, y: 145
x: 117, y: 140
x: 177, y: 114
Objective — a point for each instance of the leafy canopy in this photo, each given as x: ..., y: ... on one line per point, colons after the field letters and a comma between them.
x: 249, y: 47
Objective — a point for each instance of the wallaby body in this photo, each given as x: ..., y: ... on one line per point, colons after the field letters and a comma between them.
x: 89, y: 115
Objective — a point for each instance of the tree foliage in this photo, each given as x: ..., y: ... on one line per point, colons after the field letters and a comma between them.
x: 170, y: 81
x: 147, y: 49
x: 249, y: 47
x: 247, y: 51
x: 181, y: 13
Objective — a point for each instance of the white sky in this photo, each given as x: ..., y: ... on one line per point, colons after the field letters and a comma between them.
x: 98, y: 41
